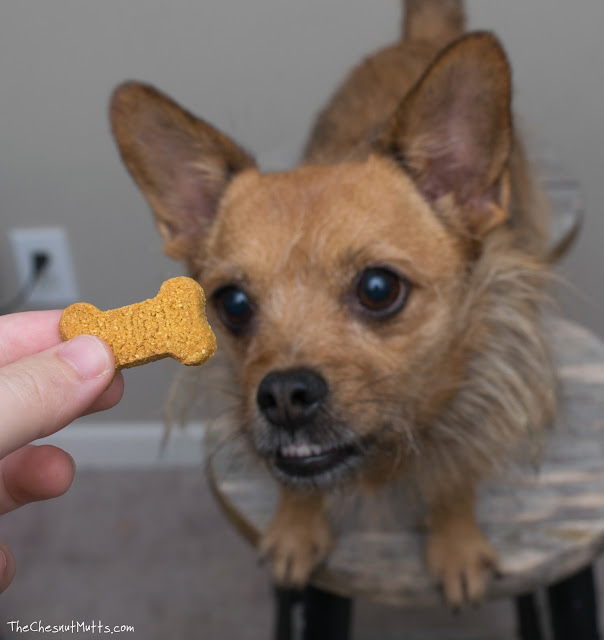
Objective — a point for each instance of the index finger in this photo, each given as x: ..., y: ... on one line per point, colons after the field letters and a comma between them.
x: 23, y: 334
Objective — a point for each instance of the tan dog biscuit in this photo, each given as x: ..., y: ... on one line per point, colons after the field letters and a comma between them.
x: 173, y: 324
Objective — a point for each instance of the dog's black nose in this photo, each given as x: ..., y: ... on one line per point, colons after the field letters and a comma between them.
x: 291, y: 398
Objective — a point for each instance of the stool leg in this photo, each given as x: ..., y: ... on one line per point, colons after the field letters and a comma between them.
x: 573, y: 607
x: 527, y: 614
x: 285, y: 601
x: 326, y: 615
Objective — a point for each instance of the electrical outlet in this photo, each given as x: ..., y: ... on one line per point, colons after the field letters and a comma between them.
x: 56, y: 286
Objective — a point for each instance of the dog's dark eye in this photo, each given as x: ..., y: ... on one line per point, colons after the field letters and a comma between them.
x: 381, y: 292
x: 234, y: 308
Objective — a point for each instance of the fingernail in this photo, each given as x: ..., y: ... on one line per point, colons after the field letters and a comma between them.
x: 3, y: 562
x: 73, y: 462
x: 87, y: 355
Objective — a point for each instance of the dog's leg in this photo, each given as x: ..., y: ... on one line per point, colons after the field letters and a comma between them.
x: 298, y: 539
x: 458, y: 554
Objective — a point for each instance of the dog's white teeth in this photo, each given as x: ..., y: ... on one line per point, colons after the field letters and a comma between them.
x: 301, y: 450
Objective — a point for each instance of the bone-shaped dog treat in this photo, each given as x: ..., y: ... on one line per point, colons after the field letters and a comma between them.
x: 173, y: 324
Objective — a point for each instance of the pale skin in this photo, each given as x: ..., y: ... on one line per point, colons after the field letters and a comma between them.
x: 45, y: 384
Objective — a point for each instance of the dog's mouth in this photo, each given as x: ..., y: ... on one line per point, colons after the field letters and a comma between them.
x: 303, y: 462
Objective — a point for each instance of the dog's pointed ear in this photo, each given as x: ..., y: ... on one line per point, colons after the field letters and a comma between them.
x: 453, y: 133
x: 181, y: 164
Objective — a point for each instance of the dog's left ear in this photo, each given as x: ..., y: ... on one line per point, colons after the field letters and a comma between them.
x: 453, y: 133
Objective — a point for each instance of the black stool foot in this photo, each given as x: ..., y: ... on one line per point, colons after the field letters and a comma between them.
x: 573, y: 607
x: 285, y: 601
x: 326, y: 615
x: 529, y: 621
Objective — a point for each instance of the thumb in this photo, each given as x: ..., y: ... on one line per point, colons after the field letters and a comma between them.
x: 44, y: 392
x: 7, y: 566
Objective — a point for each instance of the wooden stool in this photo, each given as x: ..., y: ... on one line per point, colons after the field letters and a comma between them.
x: 547, y: 525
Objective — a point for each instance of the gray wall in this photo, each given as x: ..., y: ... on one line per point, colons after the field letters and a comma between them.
x: 259, y: 69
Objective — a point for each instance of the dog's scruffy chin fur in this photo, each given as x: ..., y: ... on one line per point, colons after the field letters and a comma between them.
x: 380, y: 302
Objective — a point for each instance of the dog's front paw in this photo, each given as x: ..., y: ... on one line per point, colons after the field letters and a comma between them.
x: 295, y: 547
x: 463, y: 561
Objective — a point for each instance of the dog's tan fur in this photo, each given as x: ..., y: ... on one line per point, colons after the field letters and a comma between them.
x: 414, y: 166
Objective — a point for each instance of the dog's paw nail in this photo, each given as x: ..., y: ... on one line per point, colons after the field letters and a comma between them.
x: 264, y: 555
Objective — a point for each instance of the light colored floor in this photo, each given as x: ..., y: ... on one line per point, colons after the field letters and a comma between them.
x: 150, y: 549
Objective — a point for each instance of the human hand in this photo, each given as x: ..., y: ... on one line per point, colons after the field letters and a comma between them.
x: 45, y: 384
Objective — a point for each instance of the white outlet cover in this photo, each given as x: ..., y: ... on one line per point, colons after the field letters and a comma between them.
x: 57, y: 286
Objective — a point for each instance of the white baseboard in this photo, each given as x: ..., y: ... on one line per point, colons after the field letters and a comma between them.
x: 130, y: 445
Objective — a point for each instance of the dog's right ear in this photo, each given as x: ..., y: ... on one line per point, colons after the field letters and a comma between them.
x: 181, y: 164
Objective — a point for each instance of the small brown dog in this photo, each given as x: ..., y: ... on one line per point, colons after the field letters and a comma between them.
x: 381, y: 301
